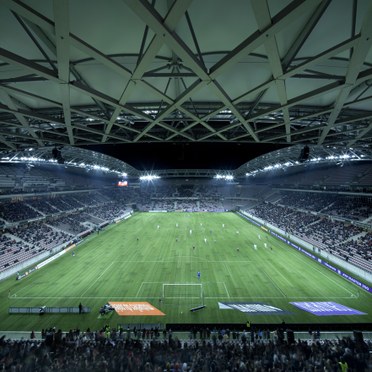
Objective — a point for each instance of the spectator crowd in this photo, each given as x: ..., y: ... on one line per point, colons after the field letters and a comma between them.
x: 117, y: 350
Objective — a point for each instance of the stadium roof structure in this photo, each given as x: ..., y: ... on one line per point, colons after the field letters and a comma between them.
x: 70, y: 156
x: 294, y: 158
x: 289, y: 157
x: 79, y: 73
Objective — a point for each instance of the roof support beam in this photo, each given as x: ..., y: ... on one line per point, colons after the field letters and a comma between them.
x: 360, y: 135
x: 47, y: 25
x: 184, y: 96
x: 301, y: 38
x: 226, y: 101
x: 7, y: 143
x: 148, y: 14
x: 110, y: 101
x: 360, y: 52
x: 263, y: 19
x: 288, y: 15
x: 171, y: 20
x: 301, y: 67
x: 9, y: 101
x: 62, y: 31
x: 35, y: 68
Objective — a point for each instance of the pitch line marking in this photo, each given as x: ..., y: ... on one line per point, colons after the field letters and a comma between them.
x: 99, y: 277
x: 152, y: 282
x: 207, y: 298
x: 275, y: 285
x: 199, y: 259
x: 338, y: 284
x: 228, y: 294
x: 328, y: 277
x: 139, y: 289
x: 228, y: 270
x: 21, y: 289
x: 283, y: 276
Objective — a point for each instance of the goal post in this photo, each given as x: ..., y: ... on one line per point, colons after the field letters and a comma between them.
x: 188, y: 293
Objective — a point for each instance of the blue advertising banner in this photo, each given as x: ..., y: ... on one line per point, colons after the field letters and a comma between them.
x: 326, y: 308
x: 251, y: 307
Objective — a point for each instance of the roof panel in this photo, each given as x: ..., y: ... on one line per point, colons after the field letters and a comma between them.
x: 193, y: 58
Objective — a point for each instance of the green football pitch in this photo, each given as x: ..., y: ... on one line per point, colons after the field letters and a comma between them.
x: 155, y: 258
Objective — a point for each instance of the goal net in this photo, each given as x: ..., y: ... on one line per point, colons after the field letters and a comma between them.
x: 185, y: 293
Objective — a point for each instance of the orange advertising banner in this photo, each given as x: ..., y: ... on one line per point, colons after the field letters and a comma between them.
x: 135, y: 309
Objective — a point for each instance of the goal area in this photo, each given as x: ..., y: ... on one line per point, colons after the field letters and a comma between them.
x: 183, y: 293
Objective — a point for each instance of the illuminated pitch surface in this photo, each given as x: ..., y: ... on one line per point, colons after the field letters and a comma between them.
x: 132, y: 260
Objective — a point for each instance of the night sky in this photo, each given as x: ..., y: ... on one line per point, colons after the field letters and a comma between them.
x: 152, y: 156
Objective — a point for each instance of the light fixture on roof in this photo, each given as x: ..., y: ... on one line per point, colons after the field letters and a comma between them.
x: 150, y: 112
x: 226, y: 177
x: 149, y: 177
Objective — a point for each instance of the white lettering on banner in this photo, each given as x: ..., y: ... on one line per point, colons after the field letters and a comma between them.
x: 134, y: 307
x: 325, y: 306
x: 250, y: 308
x: 255, y: 308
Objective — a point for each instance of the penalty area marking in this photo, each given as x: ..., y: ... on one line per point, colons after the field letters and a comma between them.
x: 204, y: 284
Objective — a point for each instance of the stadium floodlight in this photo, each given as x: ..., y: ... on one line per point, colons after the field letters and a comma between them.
x: 30, y: 158
x: 272, y: 167
x: 149, y: 177
x: 226, y: 177
x: 253, y: 173
x: 34, y: 159
x: 149, y: 112
x: 99, y: 167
